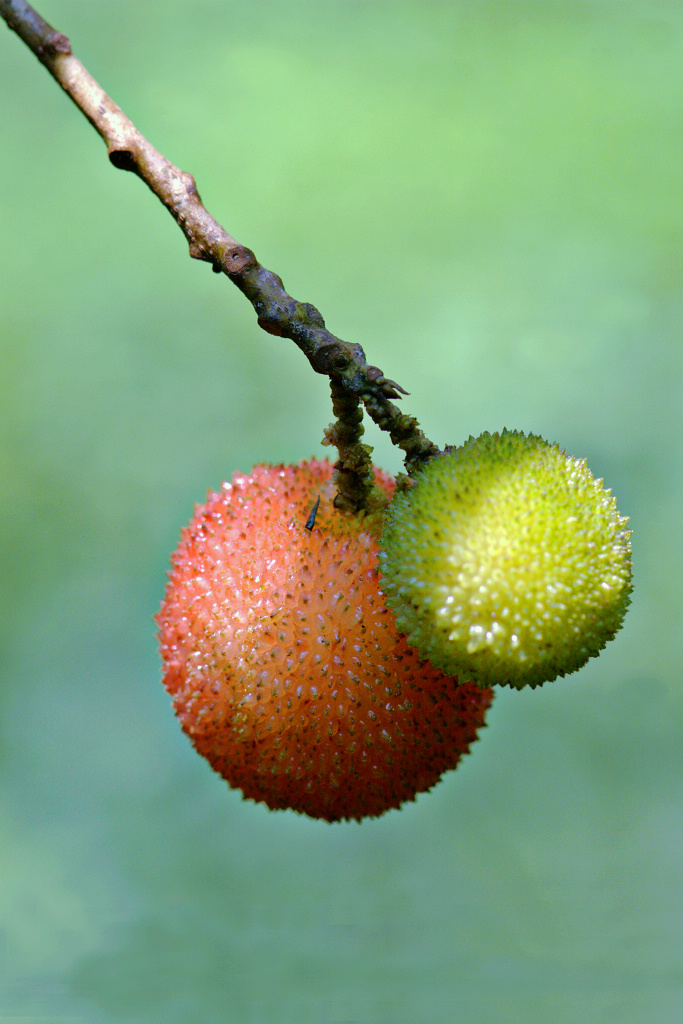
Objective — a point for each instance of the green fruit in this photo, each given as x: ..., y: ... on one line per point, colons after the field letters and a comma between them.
x: 507, y: 562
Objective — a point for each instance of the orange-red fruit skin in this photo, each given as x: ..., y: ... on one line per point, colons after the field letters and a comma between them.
x: 284, y: 664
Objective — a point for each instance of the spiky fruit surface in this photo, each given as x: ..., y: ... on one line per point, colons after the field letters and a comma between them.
x: 507, y: 561
x: 285, y: 666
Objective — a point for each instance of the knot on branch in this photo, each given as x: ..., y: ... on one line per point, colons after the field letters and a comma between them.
x: 300, y: 321
x: 54, y: 43
x: 345, y: 362
x: 237, y: 260
x: 45, y: 41
x: 123, y: 159
x: 340, y: 360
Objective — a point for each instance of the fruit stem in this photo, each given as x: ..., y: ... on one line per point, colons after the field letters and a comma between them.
x: 404, y: 431
x: 353, y: 473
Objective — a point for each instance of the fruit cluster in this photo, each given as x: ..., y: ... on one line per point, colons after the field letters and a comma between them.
x: 338, y: 663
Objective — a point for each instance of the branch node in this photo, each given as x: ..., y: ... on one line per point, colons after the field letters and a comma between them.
x: 270, y: 326
x: 54, y: 43
x: 122, y: 159
x: 190, y: 185
x: 237, y: 260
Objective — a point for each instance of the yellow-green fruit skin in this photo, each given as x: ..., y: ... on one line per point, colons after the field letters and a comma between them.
x: 506, y: 561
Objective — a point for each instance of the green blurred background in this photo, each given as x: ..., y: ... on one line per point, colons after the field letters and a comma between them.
x: 488, y: 197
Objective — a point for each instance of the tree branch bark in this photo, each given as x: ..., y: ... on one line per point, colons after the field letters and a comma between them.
x: 276, y: 310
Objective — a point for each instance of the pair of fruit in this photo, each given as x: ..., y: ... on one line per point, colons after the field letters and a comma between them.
x: 339, y: 663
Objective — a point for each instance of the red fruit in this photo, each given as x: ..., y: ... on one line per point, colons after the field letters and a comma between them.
x: 285, y: 666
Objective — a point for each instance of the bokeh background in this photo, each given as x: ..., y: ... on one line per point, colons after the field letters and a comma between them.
x: 488, y: 197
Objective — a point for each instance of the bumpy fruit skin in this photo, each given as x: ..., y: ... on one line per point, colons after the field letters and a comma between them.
x: 285, y: 666
x: 507, y: 561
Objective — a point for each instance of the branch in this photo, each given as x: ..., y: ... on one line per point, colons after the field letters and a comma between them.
x: 277, y: 312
